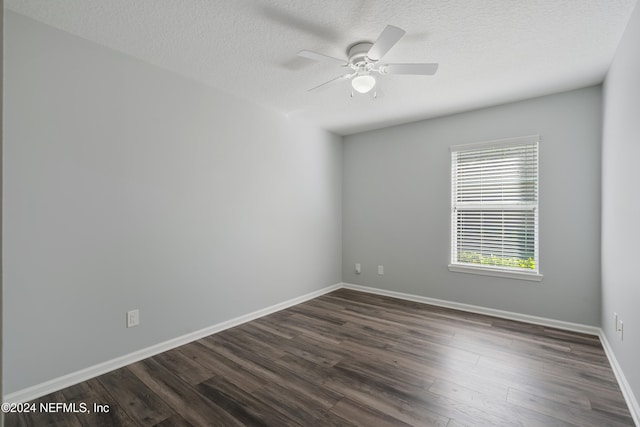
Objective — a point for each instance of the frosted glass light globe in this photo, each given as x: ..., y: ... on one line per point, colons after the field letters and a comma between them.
x: 363, y: 83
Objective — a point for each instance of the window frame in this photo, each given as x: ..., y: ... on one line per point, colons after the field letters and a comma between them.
x: 490, y: 270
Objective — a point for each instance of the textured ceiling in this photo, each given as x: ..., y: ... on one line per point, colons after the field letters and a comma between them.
x: 489, y: 51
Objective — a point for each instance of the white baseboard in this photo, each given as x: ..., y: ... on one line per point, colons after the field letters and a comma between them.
x: 73, y: 378
x: 629, y: 397
x: 567, y: 326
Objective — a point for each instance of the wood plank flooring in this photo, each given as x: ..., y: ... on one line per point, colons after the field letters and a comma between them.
x: 354, y: 359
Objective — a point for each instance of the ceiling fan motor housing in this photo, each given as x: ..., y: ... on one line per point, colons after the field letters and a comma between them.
x: 358, y: 53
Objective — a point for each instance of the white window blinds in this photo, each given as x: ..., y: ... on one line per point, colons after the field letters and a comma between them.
x: 494, y: 190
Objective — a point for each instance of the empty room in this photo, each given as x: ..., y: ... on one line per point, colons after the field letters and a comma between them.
x: 320, y: 213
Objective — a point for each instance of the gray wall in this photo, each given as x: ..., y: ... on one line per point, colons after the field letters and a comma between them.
x: 620, y: 202
x: 1, y: 173
x: 396, y: 207
x: 127, y: 186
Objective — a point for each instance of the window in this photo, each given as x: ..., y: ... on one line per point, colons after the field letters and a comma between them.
x: 494, y: 208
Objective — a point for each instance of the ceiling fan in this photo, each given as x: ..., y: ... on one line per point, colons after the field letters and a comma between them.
x: 364, y: 62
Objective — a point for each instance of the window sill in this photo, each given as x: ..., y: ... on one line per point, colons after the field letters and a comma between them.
x: 521, y: 275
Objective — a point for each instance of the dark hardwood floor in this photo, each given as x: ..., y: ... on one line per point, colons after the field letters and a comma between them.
x: 354, y: 359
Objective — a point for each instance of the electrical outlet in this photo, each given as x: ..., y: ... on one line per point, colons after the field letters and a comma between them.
x: 621, y: 331
x: 358, y: 269
x: 619, y: 326
x: 133, y: 318
x: 381, y: 270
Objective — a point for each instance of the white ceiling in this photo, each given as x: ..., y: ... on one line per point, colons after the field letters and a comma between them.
x: 489, y: 51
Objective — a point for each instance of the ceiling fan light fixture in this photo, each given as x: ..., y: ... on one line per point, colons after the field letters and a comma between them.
x: 363, y: 83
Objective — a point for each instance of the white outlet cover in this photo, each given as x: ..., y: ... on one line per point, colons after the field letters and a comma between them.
x: 621, y: 331
x: 133, y: 318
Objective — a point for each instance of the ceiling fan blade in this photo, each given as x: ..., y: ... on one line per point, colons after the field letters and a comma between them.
x: 325, y: 84
x: 416, y: 69
x: 320, y: 57
x: 389, y: 37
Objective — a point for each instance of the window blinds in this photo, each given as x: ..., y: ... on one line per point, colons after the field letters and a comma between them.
x: 495, y: 204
